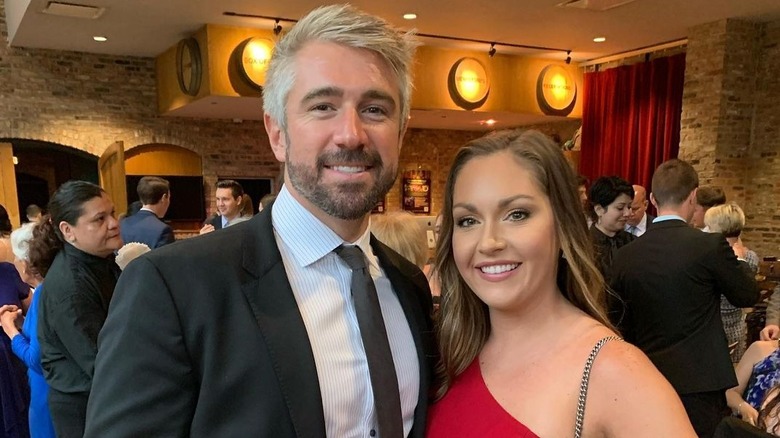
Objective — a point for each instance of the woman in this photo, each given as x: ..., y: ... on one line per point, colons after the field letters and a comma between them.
x: 403, y: 234
x: 757, y: 373
x: 25, y: 343
x: 80, y: 235
x: 611, y: 199
x: 246, y: 211
x: 522, y: 318
x: 729, y: 220
x: 6, y: 255
x: 14, y: 392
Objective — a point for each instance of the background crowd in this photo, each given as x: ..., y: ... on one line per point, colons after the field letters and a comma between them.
x: 313, y: 318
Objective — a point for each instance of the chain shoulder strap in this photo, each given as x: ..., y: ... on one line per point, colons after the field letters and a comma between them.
x: 584, y: 383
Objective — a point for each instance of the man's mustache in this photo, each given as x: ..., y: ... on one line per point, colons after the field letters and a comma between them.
x: 350, y: 156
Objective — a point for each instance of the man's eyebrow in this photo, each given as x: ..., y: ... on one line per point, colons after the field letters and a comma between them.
x: 379, y: 95
x: 322, y: 92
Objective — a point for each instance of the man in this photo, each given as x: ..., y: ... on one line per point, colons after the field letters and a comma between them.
x: 256, y: 330
x: 266, y: 201
x: 582, y: 191
x: 636, y: 224
x: 706, y: 198
x: 670, y: 282
x: 145, y: 226
x: 33, y: 213
x: 230, y: 196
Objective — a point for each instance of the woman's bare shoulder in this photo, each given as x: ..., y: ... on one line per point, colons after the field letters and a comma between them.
x: 627, y: 393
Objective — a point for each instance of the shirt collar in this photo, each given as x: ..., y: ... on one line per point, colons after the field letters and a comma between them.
x: 641, y: 226
x: 90, y: 259
x: 307, y: 237
x: 668, y: 217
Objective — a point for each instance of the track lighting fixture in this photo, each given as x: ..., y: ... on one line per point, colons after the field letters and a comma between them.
x: 491, y: 52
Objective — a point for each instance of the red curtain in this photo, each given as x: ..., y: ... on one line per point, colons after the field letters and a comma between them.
x: 631, y: 119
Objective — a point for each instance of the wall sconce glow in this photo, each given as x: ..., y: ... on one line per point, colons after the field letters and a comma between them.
x: 489, y: 122
x: 599, y: 39
x: 100, y: 39
x: 468, y: 83
x: 556, y: 90
x: 255, y: 56
x: 16, y: 160
x: 559, y: 87
x: 410, y: 16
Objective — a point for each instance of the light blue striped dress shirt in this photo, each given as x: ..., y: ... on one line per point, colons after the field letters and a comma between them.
x: 320, y: 281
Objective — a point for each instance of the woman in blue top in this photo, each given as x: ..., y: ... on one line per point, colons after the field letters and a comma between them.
x: 25, y: 343
x: 757, y: 373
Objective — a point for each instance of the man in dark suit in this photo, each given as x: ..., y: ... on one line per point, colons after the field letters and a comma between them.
x: 670, y: 282
x: 230, y: 198
x: 706, y: 198
x: 256, y: 331
x: 639, y: 220
x: 145, y: 226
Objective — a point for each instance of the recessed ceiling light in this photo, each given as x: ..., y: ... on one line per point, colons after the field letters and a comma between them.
x: 100, y: 39
x: 410, y: 16
x: 599, y: 39
x: 489, y: 122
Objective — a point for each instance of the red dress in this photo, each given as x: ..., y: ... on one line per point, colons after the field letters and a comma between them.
x: 469, y: 410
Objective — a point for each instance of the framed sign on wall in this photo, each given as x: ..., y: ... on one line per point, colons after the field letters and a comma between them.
x: 417, y: 191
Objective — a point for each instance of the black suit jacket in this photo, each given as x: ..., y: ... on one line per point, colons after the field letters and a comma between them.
x: 671, y: 280
x: 216, y: 221
x: 146, y: 227
x: 203, y: 349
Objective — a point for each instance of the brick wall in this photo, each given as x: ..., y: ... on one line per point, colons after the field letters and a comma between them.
x: 728, y: 118
x: 763, y: 190
x: 87, y: 102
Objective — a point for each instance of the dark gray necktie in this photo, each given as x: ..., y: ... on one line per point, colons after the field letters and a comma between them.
x: 384, y: 381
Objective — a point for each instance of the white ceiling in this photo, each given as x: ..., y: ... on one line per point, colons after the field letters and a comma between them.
x: 148, y: 27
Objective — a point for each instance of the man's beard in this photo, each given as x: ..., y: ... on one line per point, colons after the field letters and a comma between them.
x: 348, y: 201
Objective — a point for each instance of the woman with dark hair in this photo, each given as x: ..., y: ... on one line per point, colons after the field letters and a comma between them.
x: 6, y: 255
x: 610, y: 198
x: 758, y: 372
x: 522, y: 327
x: 74, y: 251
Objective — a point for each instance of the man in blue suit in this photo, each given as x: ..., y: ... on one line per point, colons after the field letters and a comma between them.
x: 146, y: 226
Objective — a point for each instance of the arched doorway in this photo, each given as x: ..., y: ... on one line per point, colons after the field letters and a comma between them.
x: 42, y: 166
x: 183, y: 169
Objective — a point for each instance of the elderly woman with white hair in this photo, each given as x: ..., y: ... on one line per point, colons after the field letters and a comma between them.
x: 24, y: 342
x: 729, y: 220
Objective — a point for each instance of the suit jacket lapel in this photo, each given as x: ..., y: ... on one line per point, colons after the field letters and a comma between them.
x: 279, y: 319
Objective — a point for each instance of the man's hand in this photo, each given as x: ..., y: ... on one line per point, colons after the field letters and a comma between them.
x: 206, y: 229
